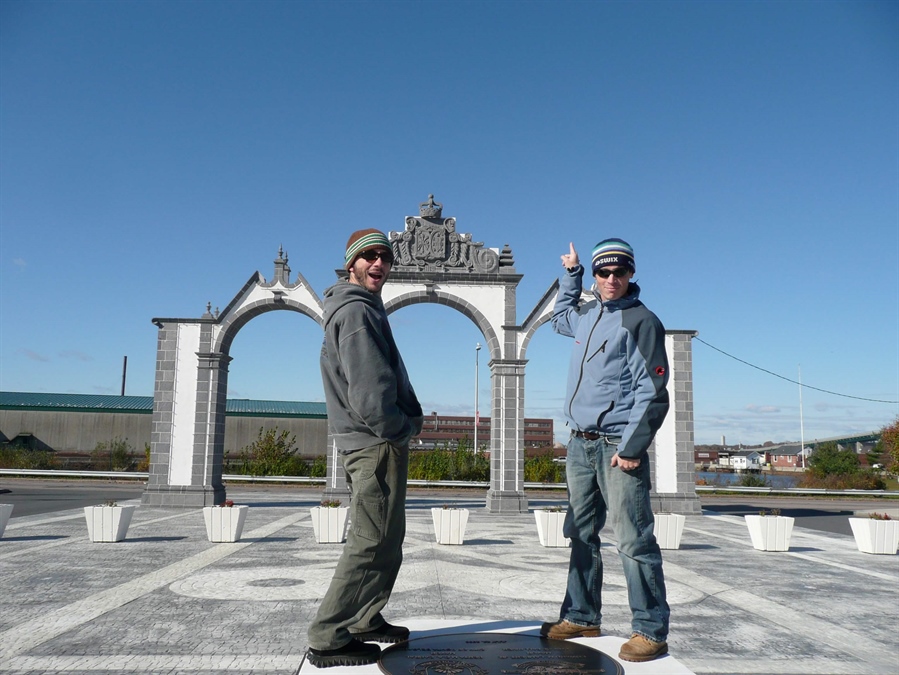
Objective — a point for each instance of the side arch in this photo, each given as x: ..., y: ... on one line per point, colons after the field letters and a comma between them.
x: 230, y: 327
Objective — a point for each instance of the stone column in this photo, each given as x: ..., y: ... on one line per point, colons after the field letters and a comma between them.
x: 335, y: 482
x: 673, y: 481
x: 187, y: 438
x: 506, y: 493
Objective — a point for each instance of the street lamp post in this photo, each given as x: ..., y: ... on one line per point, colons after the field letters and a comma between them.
x: 477, y: 363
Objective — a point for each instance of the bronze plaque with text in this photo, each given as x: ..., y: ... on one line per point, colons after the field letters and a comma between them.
x: 494, y: 654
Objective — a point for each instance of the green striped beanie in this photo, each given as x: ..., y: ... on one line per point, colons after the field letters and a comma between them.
x: 362, y: 240
x: 613, y: 252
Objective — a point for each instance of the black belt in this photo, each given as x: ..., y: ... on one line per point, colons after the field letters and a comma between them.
x: 595, y: 436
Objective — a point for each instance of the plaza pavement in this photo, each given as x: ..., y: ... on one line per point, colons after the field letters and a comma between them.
x: 166, y: 600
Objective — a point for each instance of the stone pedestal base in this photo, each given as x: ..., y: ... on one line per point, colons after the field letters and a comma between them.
x: 684, y: 503
x: 507, y: 501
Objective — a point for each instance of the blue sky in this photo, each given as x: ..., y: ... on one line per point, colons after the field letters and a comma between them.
x: 154, y: 155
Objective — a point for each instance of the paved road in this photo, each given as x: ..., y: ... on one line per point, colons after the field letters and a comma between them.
x: 35, y: 496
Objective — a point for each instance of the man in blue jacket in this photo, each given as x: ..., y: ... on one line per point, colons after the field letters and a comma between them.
x: 372, y: 414
x: 616, y: 401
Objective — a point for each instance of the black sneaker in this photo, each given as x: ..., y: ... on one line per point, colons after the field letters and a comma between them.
x: 384, y: 633
x: 353, y: 653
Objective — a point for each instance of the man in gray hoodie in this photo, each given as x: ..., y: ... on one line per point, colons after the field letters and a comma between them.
x: 372, y: 414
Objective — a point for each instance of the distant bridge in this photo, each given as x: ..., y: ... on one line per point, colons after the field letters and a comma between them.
x: 871, y: 437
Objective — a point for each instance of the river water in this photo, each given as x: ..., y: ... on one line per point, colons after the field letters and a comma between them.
x: 774, y: 480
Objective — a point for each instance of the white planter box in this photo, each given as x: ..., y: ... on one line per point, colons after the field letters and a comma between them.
x: 449, y: 525
x: 549, y: 528
x: 225, y: 523
x: 770, y: 533
x: 668, y: 529
x: 108, y: 523
x: 329, y: 523
x: 875, y: 536
x: 5, y: 513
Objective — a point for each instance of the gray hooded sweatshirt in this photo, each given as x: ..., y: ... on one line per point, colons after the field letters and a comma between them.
x: 367, y: 390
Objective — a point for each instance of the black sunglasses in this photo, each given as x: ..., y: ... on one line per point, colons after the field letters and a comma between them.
x: 618, y: 272
x: 371, y: 256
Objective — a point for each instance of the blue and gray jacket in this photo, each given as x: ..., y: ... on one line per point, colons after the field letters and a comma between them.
x: 619, y: 369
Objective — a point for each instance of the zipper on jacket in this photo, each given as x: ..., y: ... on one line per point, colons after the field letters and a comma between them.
x: 580, y: 376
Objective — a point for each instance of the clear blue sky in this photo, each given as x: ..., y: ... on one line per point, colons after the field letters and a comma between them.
x: 154, y: 155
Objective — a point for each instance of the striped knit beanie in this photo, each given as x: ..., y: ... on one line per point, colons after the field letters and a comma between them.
x: 613, y: 252
x: 362, y: 240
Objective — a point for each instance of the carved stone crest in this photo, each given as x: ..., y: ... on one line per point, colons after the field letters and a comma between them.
x: 430, y: 243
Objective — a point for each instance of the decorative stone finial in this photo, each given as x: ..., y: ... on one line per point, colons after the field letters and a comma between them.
x: 430, y: 208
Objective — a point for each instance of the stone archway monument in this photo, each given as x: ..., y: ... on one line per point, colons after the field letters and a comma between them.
x: 434, y: 263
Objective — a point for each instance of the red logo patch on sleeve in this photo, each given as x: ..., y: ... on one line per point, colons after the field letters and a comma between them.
x: 660, y: 371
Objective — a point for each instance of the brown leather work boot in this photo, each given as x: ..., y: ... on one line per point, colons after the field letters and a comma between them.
x: 639, y: 648
x: 565, y: 630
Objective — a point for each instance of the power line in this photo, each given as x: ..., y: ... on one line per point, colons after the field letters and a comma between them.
x: 834, y: 393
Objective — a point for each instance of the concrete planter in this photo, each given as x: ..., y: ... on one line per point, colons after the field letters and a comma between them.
x: 329, y: 523
x: 5, y: 513
x: 549, y: 528
x: 108, y: 523
x: 770, y: 533
x: 449, y: 525
x: 875, y: 536
x: 668, y: 529
x: 224, y: 524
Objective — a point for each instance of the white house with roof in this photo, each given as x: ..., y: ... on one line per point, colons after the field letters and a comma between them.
x: 746, y: 460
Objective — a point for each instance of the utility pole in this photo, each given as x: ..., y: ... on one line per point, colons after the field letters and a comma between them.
x: 477, y: 363
x: 801, y: 425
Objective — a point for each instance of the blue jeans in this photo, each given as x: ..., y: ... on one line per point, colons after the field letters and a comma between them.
x: 596, y: 489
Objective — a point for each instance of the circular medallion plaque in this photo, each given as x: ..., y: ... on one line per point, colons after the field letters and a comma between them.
x: 494, y: 654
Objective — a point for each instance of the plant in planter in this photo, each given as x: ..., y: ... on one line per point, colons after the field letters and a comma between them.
x: 449, y: 524
x: 329, y: 521
x: 668, y: 529
x: 108, y: 522
x: 878, y: 534
x: 549, y: 527
x: 224, y: 522
x: 5, y: 513
x: 770, y: 532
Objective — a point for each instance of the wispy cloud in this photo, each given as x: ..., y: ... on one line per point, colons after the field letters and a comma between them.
x: 763, y: 409
x: 34, y: 356
x: 76, y: 355
x: 20, y: 263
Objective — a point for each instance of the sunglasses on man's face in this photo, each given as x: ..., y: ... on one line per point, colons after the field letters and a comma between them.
x: 371, y: 256
x: 618, y: 272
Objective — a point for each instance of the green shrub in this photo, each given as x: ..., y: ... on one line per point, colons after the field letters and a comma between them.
x: 114, y: 455
x: 12, y: 457
x: 860, y: 480
x: 828, y: 459
x: 273, y: 453
x: 144, y: 464
x: 446, y: 463
x: 319, y: 467
x: 752, y: 480
x: 542, y: 469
